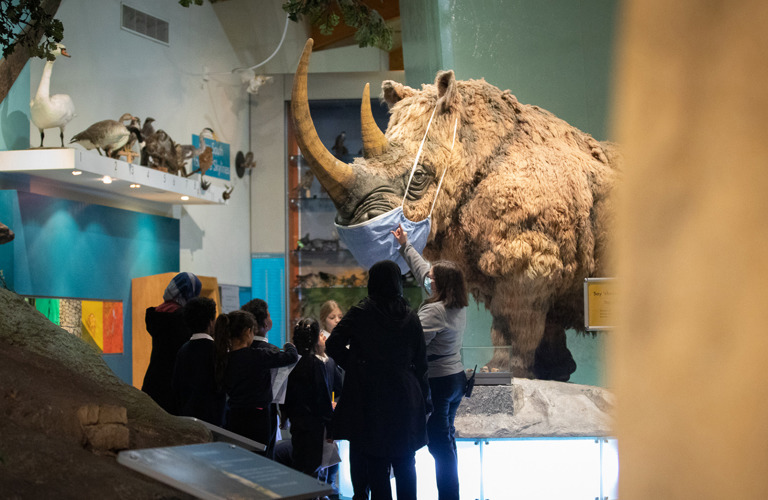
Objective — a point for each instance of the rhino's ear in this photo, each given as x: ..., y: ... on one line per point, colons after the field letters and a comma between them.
x: 394, y: 92
x: 448, y: 96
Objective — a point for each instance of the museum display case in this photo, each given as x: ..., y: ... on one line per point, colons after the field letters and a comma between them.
x: 319, y: 266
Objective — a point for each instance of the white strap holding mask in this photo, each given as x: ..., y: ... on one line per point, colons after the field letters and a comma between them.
x: 416, y: 162
x: 371, y: 241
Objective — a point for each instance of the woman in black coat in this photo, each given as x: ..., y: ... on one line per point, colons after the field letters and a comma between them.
x: 386, y: 393
x: 165, y: 323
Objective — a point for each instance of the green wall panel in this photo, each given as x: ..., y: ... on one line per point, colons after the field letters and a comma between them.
x: 556, y: 54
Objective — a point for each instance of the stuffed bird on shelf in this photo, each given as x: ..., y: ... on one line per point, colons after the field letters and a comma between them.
x: 51, y: 111
x: 109, y: 135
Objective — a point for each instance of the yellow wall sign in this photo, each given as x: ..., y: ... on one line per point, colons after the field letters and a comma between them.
x: 599, y: 301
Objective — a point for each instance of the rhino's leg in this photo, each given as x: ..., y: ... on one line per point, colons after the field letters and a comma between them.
x: 553, y: 359
x: 515, y: 337
x: 502, y: 351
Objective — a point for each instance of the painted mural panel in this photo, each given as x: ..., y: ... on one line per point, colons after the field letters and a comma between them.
x: 98, y: 322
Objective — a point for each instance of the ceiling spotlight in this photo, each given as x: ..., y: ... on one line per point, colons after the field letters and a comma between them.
x: 106, y: 179
x: 184, y: 198
x: 135, y: 186
x: 77, y: 172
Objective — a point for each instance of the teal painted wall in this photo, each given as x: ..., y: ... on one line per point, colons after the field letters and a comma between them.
x: 14, y: 115
x: 268, y: 284
x: 556, y: 54
x: 78, y: 250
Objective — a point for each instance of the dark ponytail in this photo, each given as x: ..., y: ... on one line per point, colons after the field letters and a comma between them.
x: 306, y: 334
x: 222, y: 343
x: 228, y: 327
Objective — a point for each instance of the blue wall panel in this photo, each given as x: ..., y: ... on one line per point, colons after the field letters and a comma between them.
x: 268, y: 283
x: 14, y: 115
x: 72, y: 249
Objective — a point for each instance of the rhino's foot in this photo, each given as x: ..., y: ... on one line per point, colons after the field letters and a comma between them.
x: 501, y: 360
x: 553, y: 362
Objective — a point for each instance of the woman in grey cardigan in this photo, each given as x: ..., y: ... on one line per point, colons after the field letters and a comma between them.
x: 443, y: 317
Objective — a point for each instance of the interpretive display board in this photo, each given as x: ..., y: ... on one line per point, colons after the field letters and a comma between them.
x: 223, y: 435
x: 220, y: 167
x: 599, y: 297
x: 220, y: 471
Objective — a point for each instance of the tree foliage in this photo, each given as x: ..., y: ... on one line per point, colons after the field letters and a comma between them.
x: 371, y: 30
x: 20, y: 23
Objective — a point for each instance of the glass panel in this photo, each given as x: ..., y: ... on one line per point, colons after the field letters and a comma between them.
x: 544, y: 469
x: 610, y: 459
x: 345, y: 482
x: 469, y: 471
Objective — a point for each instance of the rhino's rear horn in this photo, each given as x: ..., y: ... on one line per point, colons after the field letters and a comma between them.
x: 374, y: 140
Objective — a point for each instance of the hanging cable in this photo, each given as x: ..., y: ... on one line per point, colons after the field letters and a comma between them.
x: 265, y: 61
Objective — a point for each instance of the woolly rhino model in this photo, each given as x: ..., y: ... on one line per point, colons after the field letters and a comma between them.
x: 524, y: 206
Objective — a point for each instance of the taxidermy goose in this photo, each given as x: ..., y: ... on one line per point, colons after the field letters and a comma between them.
x: 109, y: 135
x: 51, y: 111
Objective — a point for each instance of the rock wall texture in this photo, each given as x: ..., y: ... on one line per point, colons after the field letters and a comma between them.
x: 535, y: 408
x: 64, y: 415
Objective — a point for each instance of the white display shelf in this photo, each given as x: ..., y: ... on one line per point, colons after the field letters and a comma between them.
x: 60, y: 164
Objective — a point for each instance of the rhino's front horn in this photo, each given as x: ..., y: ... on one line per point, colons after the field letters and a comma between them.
x: 374, y: 141
x: 336, y: 176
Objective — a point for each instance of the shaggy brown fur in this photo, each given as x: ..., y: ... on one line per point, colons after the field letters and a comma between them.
x: 524, y: 207
x: 524, y: 210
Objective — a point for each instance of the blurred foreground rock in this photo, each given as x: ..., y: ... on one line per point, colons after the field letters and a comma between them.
x: 64, y: 415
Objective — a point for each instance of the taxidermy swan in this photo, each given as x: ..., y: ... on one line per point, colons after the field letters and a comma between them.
x: 109, y: 135
x: 51, y: 111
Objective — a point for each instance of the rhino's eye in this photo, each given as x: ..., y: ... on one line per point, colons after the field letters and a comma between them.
x: 422, y: 177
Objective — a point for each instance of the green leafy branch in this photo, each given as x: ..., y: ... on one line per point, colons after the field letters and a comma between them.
x: 371, y: 30
x: 20, y: 23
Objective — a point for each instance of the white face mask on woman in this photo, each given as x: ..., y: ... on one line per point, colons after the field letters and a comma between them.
x: 428, y: 284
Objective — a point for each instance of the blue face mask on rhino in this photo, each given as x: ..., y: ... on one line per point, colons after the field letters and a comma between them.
x: 371, y: 241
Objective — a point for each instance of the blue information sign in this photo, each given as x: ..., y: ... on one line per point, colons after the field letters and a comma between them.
x: 220, y: 168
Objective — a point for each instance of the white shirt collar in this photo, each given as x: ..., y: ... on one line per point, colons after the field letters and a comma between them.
x: 256, y: 338
x: 198, y: 336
